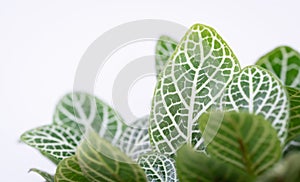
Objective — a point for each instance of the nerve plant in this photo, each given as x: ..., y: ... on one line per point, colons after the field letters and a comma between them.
x: 210, y: 120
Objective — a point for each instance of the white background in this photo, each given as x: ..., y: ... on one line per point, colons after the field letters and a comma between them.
x: 41, y: 43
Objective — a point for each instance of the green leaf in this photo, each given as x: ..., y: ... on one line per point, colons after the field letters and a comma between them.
x: 158, y: 167
x: 89, y: 112
x: 285, y: 63
x: 48, y: 177
x: 54, y: 141
x: 135, y: 139
x: 164, y: 49
x: 69, y: 170
x: 294, y: 120
x: 287, y: 170
x: 244, y: 140
x: 192, y: 81
x: 256, y: 90
x: 196, y: 166
x: 100, y: 161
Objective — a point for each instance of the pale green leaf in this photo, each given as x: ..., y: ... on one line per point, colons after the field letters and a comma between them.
x: 158, y: 167
x: 69, y: 170
x: 100, y: 161
x: 244, y: 140
x: 135, y: 139
x: 164, y: 49
x: 285, y: 63
x: 196, y: 166
x: 48, y: 177
x: 256, y: 90
x: 54, y: 141
x: 191, y: 82
x: 287, y: 170
x: 89, y: 112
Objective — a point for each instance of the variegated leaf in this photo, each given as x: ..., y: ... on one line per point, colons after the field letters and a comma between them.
x: 164, y: 49
x: 245, y: 140
x: 285, y: 63
x: 54, y: 141
x: 89, y: 112
x: 135, y: 139
x: 191, y: 82
x: 257, y: 91
x: 196, y: 166
x: 101, y: 161
x: 158, y: 167
x: 69, y: 170
x: 48, y: 177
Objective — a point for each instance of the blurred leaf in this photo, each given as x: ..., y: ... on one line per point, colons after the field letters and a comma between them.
x: 87, y: 111
x: 69, y: 170
x: 164, y: 49
x: 292, y: 146
x: 196, y: 166
x: 294, y: 125
x: 135, y: 139
x: 48, y: 177
x: 244, y: 140
x: 287, y: 170
x: 100, y: 161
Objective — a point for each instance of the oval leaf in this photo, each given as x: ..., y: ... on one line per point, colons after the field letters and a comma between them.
x: 100, y: 161
x: 257, y: 91
x: 164, y: 49
x: 69, y: 170
x: 246, y: 141
x: 54, y: 141
x: 285, y: 63
x: 89, y: 112
x: 158, y: 167
x: 191, y: 82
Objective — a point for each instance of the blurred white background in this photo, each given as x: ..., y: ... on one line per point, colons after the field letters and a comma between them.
x: 41, y: 43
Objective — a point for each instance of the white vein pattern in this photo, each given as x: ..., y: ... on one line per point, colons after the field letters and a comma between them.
x: 58, y: 141
x: 284, y: 62
x: 191, y: 82
x: 86, y: 111
x: 135, y: 139
x: 258, y: 91
x: 158, y: 167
